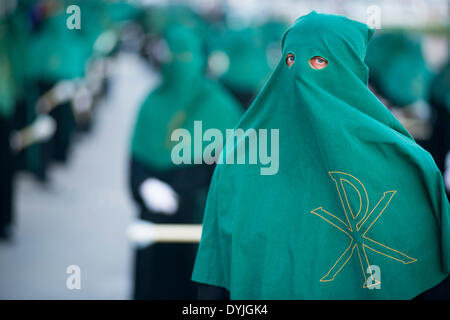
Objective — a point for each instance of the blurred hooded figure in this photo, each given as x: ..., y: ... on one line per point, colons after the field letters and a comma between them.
x: 62, y: 55
x: 272, y: 31
x: 55, y: 54
x: 162, y: 271
x: 400, y: 75
x: 356, y: 205
x: 14, y: 32
x: 157, y: 18
x: 397, y: 67
x: 440, y: 102
x: 242, y: 53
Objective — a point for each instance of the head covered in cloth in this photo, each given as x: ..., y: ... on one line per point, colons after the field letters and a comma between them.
x: 184, y: 96
x: 353, y: 189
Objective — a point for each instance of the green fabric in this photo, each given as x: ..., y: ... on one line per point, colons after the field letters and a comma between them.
x: 440, y: 88
x: 248, y: 65
x: 55, y: 52
x: 272, y: 32
x: 19, y: 30
x: 398, y: 68
x: 122, y: 10
x: 157, y: 18
x: 267, y: 237
x: 95, y: 19
x: 183, y: 97
x: 7, y: 85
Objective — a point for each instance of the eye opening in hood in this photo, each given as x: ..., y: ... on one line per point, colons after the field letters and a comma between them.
x: 318, y: 62
x: 290, y: 59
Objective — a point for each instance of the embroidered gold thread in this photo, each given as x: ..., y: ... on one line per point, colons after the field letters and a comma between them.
x: 362, y: 242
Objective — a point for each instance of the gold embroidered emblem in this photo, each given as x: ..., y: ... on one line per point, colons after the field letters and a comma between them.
x: 356, y: 226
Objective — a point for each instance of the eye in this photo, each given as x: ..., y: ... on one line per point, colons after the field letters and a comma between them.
x: 290, y: 59
x: 318, y: 62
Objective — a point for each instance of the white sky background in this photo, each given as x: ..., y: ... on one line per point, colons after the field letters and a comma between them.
x: 393, y: 12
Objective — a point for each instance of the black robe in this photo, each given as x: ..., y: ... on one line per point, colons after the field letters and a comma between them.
x: 163, y: 270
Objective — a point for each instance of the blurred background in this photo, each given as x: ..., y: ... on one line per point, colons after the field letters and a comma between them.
x: 90, y: 91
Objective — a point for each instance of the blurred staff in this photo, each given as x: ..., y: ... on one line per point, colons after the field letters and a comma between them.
x: 440, y: 102
x: 164, y: 192
x: 400, y: 75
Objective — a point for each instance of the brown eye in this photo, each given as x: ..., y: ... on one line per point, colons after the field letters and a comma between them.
x: 290, y: 58
x: 318, y: 62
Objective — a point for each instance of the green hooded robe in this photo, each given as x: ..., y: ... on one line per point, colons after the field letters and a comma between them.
x: 353, y: 190
x: 184, y: 96
x: 162, y: 271
x: 249, y: 67
x: 56, y: 53
x: 398, y: 69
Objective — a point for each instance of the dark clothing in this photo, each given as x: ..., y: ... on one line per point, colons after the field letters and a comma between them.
x: 245, y: 98
x: 65, y: 129
x: 441, y: 134
x: 35, y: 158
x: 163, y: 270
x: 207, y: 292
x: 439, y: 292
x: 440, y: 140
x: 6, y: 177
